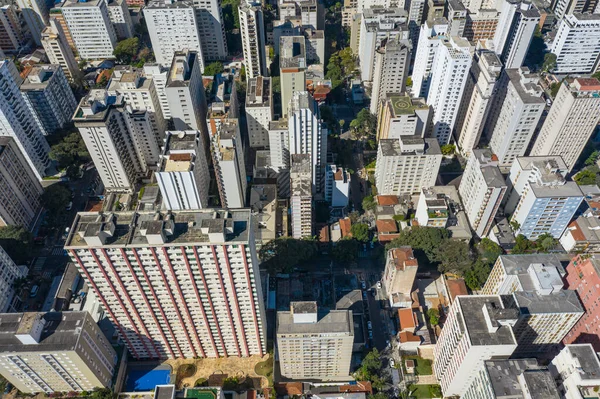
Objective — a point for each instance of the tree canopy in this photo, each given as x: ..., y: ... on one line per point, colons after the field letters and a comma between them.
x: 70, y: 151
x: 213, y: 68
x: 368, y: 203
x: 364, y: 125
x: 370, y: 369
x: 341, y: 64
x: 426, y: 239
x: 282, y: 254
x: 448, y: 149
x: 345, y: 250
x: 17, y: 242
x: 126, y: 50
x: 360, y: 232
x: 585, y: 177
x: 55, y: 199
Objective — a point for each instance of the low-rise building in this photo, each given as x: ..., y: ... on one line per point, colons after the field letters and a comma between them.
x: 440, y: 206
x: 399, y: 276
x: 583, y: 234
x: 337, y: 186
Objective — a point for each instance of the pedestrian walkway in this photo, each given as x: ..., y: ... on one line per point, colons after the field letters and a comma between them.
x: 426, y: 380
x: 59, y: 251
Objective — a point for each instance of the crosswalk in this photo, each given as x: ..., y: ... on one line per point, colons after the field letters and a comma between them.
x: 59, y: 251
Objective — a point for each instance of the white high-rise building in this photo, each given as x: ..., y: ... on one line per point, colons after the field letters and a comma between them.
x: 514, y: 114
x: 301, y: 196
x: 431, y: 35
x: 182, y: 174
x: 308, y: 136
x: 448, y: 79
x: 407, y: 164
x: 173, y: 27
x: 571, y: 121
x: 19, y: 122
x: 401, y: 115
x: 482, y: 189
x: 118, y: 12
x: 91, y: 28
x: 12, y: 38
x: 186, y: 285
x: 514, y: 32
x: 9, y: 273
x: 416, y: 11
x: 228, y: 160
x: 392, y: 61
x: 209, y: 16
x: 314, y: 345
x: 577, y: 44
x: 478, y: 95
x: 159, y: 75
x: 292, y: 66
x: 259, y: 111
x: 477, y: 328
x: 279, y: 144
x: 36, y: 14
x: 252, y: 30
x: 58, y: 50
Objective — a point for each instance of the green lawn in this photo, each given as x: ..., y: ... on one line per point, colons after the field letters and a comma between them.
x: 422, y: 391
x: 422, y: 366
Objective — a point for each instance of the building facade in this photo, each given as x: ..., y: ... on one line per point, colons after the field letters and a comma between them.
x: 577, y: 44
x: 10, y: 272
x: 252, y: 29
x: 392, y: 62
x: 228, y: 160
x: 259, y: 111
x: 58, y: 50
x: 401, y: 115
x: 292, y: 69
x: 301, y: 196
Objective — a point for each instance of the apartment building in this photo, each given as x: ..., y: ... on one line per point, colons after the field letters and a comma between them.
x: 301, y: 195
x: 583, y: 234
x: 58, y: 51
x: 20, y: 123
x: 259, y: 111
x: 228, y: 160
x: 36, y: 16
x: 406, y: 164
x: 401, y: 115
x: 514, y: 32
x: 564, y: 7
x: 118, y: 12
x: 142, y: 265
x: 392, y: 62
x: 12, y: 38
x: 576, y: 369
x: 173, y: 27
x: 481, y: 25
x: 577, y: 44
x: 337, y: 186
x: 432, y: 208
x: 314, y: 345
x: 292, y: 68
x: 9, y: 273
x: 159, y: 76
x: 482, y: 189
x: 91, y: 28
x: 55, y: 352
x: 399, y: 276
x: 571, y: 120
x: 252, y: 30
x: 514, y: 114
x: 477, y: 329
x: 209, y: 16
x: 268, y: 213
x: 432, y: 33
x: 182, y: 174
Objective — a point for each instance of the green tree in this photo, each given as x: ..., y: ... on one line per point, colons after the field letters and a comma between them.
x: 364, y: 125
x: 327, y: 116
x: 476, y: 276
x: 55, y: 199
x: 371, y: 366
x: 522, y: 245
x: 102, y: 393
x: 434, y: 316
x: 82, y: 64
x: 435, y: 391
x: 340, y: 65
x: 345, y: 250
x: 276, y: 84
x: 545, y: 242
x: 126, y: 50
x: 17, y: 242
x: 360, y: 232
x: 448, y: 149
x: 454, y: 256
x: 378, y: 395
x: 591, y: 160
x: 422, y: 238
x: 282, y: 254
x: 554, y: 87
x: 585, y: 177
x: 549, y: 62
x: 71, y: 150
x: 489, y: 250
x: 213, y: 68
x: 368, y: 203
x: 536, y: 51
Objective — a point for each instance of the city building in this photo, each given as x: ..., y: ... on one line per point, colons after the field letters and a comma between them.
x: 228, y: 161
x: 12, y: 38
x: 301, y: 195
x: 432, y: 33
x: 209, y: 16
x: 577, y: 44
x: 516, y: 378
x: 457, y: 18
x: 416, y: 11
x: 252, y: 30
x: 20, y: 123
x: 401, y: 115
x: 314, y: 345
x: 477, y: 328
x: 307, y: 135
x: 49, y: 96
x: 20, y: 202
x: 583, y: 234
x: 407, y: 164
x: 477, y: 98
x: 514, y: 32
x: 36, y: 16
x: 58, y: 50
x: 266, y: 212
x: 259, y: 111
x: 440, y: 206
x: 577, y: 371
x: 482, y: 189
x: 392, y: 62
x: 143, y: 264
x: 571, y: 120
x: 173, y: 27
x: 399, y: 276
x: 292, y: 66
x: 514, y: 115
x: 182, y: 174
x: 55, y: 352
x: 10, y: 273
x: 564, y: 7
x: 432, y: 209
x: 279, y: 144
x: 450, y: 71
x: 481, y: 25
x: 315, y: 46
x: 91, y: 28
x: 118, y: 12
x: 337, y: 186
x: 160, y: 76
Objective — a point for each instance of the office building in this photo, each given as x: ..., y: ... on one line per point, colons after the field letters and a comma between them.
x: 308, y: 136
x: 12, y: 38
x: 577, y: 371
x: 118, y: 12
x: 401, y: 115
x: 477, y: 328
x: 314, y: 345
x: 20, y: 202
x: 143, y: 264
x: 516, y: 378
x: 399, y: 276
x: 577, y: 44
x: 392, y: 61
x: 514, y: 115
x: 449, y: 76
x: 482, y: 189
x: 91, y: 28
x: 252, y: 30
x: 407, y: 164
x: 292, y: 66
x: 259, y: 111
x: 20, y: 123
x: 432, y: 33
x: 58, y: 50
x: 228, y: 160
x: 182, y: 174
x: 36, y: 16
x: 571, y: 120
x: 301, y: 196
x: 55, y: 352
x: 209, y: 16
x: 514, y: 32
x: 10, y: 272
x: 337, y: 186
x: 173, y: 27
x: 479, y: 90
x: 49, y: 96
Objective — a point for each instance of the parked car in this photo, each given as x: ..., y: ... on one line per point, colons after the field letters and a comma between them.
x: 69, y: 206
x: 379, y: 284
x: 371, y: 334
x: 369, y: 325
x: 34, y: 291
x: 392, y: 363
x: 364, y: 285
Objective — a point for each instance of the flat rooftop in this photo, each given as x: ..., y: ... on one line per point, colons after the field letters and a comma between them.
x: 475, y: 320
x: 404, y: 105
x: 292, y: 50
x: 258, y: 93
x: 504, y: 378
x: 331, y: 322
x: 588, y: 360
x: 563, y: 301
x: 518, y: 264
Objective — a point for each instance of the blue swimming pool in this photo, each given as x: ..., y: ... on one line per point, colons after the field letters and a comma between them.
x: 139, y: 380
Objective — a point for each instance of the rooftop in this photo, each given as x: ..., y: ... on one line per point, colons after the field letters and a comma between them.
x: 39, y: 77
x: 589, y: 366
x: 332, y: 322
x: 258, y: 93
x: 292, y: 52
x: 563, y: 301
x: 404, y: 105
x: 474, y: 318
x: 394, y: 147
x: 504, y: 378
x: 518, y: 264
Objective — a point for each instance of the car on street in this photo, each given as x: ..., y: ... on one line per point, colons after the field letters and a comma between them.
x: 369, y: 325
x: 363, y: 285
x: 379, y: 284
x: 392, y: 363
x: 34, y: 291
x: 69, y: 206
x: 371, y: 334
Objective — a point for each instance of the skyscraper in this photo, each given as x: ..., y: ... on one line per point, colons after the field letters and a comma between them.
x: 228, y: 161
x: 392, y: 61
x: 58, y: 50
x: 209, y: 16
x: 577, y: 44
x: 401, y: 115
x: 252, y: 29
x: 431, y: 35
x: 259, y: 111
x: 36, y: 15
x: 292, y: 66
x: 514, y: 32
x: 301, y: 196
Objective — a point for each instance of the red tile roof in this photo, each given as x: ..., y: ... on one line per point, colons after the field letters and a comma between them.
x: 387, y: 226
x: 457, y: 287
x: 386, y: 200
x: 408, y: 337
x: 407, y: 319
x: 345, y: 226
